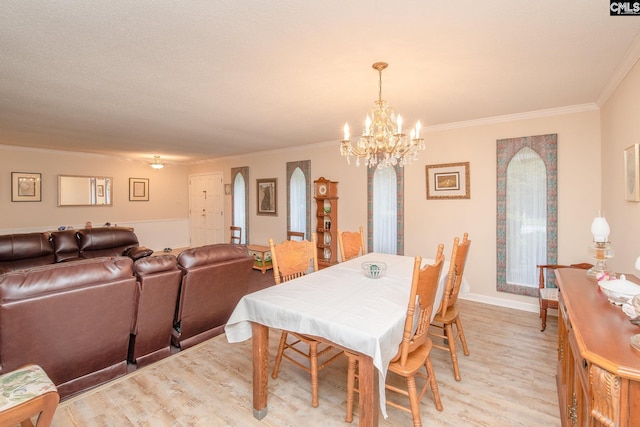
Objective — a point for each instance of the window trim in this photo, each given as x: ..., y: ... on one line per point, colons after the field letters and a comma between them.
x: 546, y: 146
x: 305, y: 167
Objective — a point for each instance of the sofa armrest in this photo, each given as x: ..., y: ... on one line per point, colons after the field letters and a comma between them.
x: 137, y: 252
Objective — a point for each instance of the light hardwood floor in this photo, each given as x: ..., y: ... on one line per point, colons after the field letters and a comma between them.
x: 508, y: 380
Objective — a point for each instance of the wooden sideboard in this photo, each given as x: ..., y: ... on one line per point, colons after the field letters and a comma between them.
x: 598, y: 371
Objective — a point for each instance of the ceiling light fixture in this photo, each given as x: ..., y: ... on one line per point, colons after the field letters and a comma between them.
x: 382, y: 142
x: 157, y: 164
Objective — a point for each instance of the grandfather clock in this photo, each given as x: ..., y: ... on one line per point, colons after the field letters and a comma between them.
x: 326, y: 195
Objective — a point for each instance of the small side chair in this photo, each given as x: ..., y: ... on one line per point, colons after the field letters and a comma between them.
x: 236, y: 235
x: 295, y: 235
x: 548, y: 295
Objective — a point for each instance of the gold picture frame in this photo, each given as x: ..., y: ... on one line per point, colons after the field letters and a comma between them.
x: 632, y: 173
x: 26, y: 187
x: 448, y: 181
x: 267, y: 196
x: 138, y: 189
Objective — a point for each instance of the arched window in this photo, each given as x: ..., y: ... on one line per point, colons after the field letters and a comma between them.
x: 386, y: 210
x: 240, y: 200
x: 298, y: 197
x: 527, y: 223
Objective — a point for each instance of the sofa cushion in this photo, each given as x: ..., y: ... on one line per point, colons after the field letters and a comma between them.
x: 105, y: 241
x: 211, y: 254
x: 19, y: 251
x: 154, y: 264
x: 65, y: 245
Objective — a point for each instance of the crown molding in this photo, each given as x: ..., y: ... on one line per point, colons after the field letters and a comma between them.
x: 573, y: 109
x: 630, y: 58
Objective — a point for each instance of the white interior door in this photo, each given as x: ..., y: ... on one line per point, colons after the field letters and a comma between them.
x: 206, y: 208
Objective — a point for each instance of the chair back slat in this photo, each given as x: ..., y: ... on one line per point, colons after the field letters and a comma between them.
x: 424, y: 286
x: 292, y: 259
x: 549, y: 279
x: 451, y: 278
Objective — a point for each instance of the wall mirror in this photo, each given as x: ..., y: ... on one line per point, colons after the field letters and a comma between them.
x: 76, y: 190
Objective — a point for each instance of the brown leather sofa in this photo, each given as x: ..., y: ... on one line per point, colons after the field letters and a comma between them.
x: 73, y: 319
x: 214, y: 279
x: 20, y: 251
x: 84, y: 320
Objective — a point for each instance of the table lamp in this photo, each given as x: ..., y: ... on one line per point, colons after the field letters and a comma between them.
x: 600, y: 249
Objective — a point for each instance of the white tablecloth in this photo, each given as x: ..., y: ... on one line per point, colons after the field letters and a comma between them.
x: 340, y: 304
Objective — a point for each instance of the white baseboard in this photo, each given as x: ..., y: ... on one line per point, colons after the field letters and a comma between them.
x: 534, y: 308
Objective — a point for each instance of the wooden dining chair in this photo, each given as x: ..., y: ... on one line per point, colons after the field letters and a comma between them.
x: 295, y: 235
x: 236, y: 235
x: 449, y: 312
x: 415, y: 349
x: 351, y: 244
x: 293, y: 259
x: 548, y: 292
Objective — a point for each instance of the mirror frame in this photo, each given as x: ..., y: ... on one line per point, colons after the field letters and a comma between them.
x: 99, y: 189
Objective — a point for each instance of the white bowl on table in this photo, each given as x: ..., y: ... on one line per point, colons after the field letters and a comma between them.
x: 619, y: 291
x: 374, y: 269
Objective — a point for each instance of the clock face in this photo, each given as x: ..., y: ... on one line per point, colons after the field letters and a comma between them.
x: 322, y: 189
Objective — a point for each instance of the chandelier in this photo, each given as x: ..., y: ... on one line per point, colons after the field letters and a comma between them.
x: 382, y: 142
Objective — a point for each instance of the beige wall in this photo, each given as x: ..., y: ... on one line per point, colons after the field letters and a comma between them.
x: 589, y: 141
x: 620, y: 129
x: 429, y: 222
x: 168, y: 194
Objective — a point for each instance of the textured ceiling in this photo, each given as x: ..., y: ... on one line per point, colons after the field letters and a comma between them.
x: 192, y: 80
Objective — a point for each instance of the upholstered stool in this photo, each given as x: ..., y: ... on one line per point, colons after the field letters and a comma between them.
x: 24, y: 393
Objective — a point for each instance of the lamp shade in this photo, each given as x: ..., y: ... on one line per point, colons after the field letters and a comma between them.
x: 600, y: 229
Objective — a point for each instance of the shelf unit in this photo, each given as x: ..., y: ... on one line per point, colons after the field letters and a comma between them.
x: 326, y: 195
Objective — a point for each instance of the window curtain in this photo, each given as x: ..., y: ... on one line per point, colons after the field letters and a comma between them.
x: 526, y: 217
x: 385, y: 211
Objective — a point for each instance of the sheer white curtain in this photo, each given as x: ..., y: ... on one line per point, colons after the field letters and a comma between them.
x: 385, y: 211
x: 239, y: 207
x: 526, y: 214
x: 298, y: 201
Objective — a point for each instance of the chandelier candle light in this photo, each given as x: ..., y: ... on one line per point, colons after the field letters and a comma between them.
x: 601, y: 249
x: 382, y: 142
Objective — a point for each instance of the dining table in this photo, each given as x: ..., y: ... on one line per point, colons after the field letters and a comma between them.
x: 341, y: 306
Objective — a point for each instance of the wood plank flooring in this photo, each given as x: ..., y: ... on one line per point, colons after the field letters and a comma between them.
x: 508, y: 380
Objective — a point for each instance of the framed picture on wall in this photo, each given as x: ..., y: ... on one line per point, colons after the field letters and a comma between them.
x: 139, y: 189
x: 632, y: 173
x: 267, y: 193
x: 26, y: 187
x: 448, y: 181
